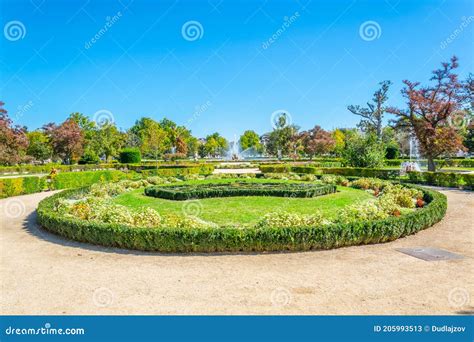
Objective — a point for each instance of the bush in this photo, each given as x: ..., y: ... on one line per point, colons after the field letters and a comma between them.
x: 89, y: 158
x: 174, y: 156
x: 66, y: 180
x: 392, y: 152
x: 179, y: 170
x: 362, y: 172
x: 448, y: 179
x: 286, y: 168
x: 21, y: 186
x: 363, y: 152
x: 185, y: 192
x: 232, y: 239
x: 130, y: 156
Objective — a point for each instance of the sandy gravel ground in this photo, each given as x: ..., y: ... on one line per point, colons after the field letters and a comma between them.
x: 43, y: 274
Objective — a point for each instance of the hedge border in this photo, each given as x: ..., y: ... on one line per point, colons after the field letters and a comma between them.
x: 185, y: 192
x: 231, y: 239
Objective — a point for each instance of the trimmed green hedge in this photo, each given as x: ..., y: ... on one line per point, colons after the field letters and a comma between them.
x: 231, y: 239
x: 362, y: 172
x: 178, y: 170
x: 67, y: 180
x: 284, y: 168
x: 440, y: 163
x: 185, y: 192
x: 448, y: 179
x: 21, y: 186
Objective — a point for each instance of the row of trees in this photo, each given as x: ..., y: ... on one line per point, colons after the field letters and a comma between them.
x: 436, y: 114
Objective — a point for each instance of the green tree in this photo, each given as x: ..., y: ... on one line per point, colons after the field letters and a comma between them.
x: 363, y: 151
x: 150, y: 136
x: 282, y: 140
x: 215, y: 145
x: 39, y: 146
x: 373, y: 114
x: 250, y: 139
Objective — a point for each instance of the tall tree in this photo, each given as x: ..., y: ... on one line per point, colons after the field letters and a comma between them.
x: 215, y: 145
x: 373, y: 114
x: 13, y: 140
x: 67, y: 140
x: 429, y: 109
x: 250, y: 139
x: 317, y: 141
x: 151, y: 137
x: 39, y: 146
x: 281, y: 141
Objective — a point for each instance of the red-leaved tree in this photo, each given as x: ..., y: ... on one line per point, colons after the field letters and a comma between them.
x: 13, y: 140
x: 67, y: 140
x: 317, y: 141
x: 428, y: 112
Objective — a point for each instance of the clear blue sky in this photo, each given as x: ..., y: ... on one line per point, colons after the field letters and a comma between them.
x: 143, y: 66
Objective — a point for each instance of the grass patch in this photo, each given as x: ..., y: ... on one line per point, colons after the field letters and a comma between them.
x: 246, y: 210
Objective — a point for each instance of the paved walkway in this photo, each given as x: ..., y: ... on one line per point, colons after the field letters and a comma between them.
x: 44, y: 274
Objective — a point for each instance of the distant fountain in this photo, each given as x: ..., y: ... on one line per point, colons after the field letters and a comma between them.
x: 235, y: 152
x: 412, y: 165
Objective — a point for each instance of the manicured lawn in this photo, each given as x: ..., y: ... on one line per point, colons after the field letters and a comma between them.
x: 246, y: 210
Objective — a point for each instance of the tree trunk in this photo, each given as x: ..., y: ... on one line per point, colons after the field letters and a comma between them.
x: 431, y: 164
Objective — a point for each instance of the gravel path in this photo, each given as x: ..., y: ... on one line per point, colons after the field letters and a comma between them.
x: 44, y: 274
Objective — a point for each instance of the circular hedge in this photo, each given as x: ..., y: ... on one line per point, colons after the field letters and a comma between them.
x: 231, y: 239
x: 185, y: 192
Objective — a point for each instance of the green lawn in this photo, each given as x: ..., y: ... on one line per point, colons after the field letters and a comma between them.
x: 245, y: 210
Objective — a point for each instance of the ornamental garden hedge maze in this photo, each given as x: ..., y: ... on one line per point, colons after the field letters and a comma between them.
x: 185, y: 192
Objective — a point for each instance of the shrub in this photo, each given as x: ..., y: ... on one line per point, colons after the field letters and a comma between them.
x: 65, y: 180
x: 448, y: 179
x: 130, y: 156
x: 179, y: 170
x: 392, y: 151
x: 174, y: 156
x: 185, y: 192
x: 286, y: 220
x: 209, y: 238
x: 363, y: 152
x: 363, y: 172
x: 21, y: 186
x: 89, y: 158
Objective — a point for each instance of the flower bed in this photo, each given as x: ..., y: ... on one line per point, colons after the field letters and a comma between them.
x: 395, y: 211
x: 185, y: 192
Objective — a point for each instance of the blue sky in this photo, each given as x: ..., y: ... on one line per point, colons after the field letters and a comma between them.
x: 230, y: 77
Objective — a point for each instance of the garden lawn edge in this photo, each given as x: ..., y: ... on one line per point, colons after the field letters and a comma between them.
x: 231, y: 239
